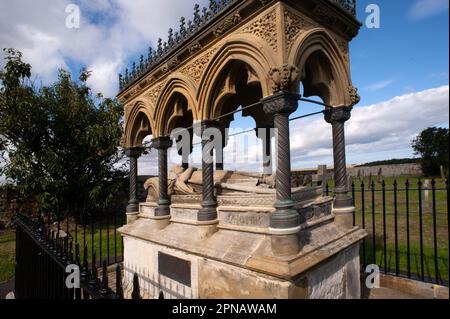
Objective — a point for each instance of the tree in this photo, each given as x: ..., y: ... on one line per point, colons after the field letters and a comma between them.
x: 432, y: 146
x: 59, y: 142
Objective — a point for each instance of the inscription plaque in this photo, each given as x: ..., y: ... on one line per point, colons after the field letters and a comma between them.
x: 175, y: 268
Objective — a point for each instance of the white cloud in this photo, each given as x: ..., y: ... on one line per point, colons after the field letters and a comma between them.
x: 378, y: 131
x: 379, y: 85
x: 423, y: 9
x: 375, y: 132
x: 111, y: 31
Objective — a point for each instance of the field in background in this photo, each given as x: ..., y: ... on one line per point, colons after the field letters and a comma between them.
x: 401, y: 239
x: 7, y: 255
x: 408, y: 230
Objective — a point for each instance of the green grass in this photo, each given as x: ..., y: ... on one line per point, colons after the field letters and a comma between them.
x: 101, y: 246
x: 434, y: 225
x: 8, y: 246
x: 7, y: 255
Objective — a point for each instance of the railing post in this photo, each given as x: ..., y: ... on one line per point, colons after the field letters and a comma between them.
x: 383, y: 187
x: 422, y: 261
x: 408, y: 236
x: 363, y: 212
x: 435, y: 239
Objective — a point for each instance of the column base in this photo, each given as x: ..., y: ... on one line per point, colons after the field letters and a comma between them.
x: 132, y: 217
x: 343, y: 217
x: 208, y: 213
x: 285, y: 217
x: 162, y: 211
x: 342, y: 199
x: 133, y: 207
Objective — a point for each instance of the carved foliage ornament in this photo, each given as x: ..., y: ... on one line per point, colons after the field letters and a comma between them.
x: 294, y: 24
x: 266, y: 29
x: 154, y: 93
x: 195, y: 69
x: 228, y: 24
x: 283, y: 77
x: 354, y: 96
x: 195, y: 48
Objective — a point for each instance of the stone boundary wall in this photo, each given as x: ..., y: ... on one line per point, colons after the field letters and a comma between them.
x: 387, y: 170
x: 393, y: 170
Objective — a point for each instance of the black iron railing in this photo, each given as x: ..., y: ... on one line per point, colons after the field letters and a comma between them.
x: 408, y: 226
x: 43, y: 253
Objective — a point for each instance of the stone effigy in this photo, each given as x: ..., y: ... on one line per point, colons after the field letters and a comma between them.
x: 188, y: 181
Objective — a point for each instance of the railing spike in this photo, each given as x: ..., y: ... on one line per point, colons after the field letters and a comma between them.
x: 119, y: 288
x: 94, y: 282
x: 85, y: 268
x: 136, y: 294
x: 105, y: 291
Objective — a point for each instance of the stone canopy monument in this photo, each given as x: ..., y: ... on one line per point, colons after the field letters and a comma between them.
x: 211, y: 233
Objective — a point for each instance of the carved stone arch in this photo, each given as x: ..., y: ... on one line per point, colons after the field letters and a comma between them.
x: 178, y: 90
x: 323, y: 68
x: 248, y: 49
x: 139, y: 124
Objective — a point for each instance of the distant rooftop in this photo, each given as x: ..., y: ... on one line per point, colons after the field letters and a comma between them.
x: 186, y: 30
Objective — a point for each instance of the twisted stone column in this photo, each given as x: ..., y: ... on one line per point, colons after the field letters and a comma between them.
x: 133, y: 204
x: 280, y: 106
x: 162, y: 144
x: 208, y: 212
x: 343, y: 203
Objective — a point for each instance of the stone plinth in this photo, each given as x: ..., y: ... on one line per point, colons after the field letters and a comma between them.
x: 236, y: 260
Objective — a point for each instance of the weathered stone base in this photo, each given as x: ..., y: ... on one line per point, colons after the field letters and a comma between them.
x: 240, y: 265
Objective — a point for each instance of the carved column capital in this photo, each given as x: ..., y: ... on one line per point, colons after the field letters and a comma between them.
x: 134, y: 152
x: 283, y: 77
x: 280, y: 103
x: 354, y: 96
x: 162, y: 143
x: 340, y: 114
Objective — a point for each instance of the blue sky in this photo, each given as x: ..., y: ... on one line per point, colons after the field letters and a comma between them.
x: 409, y: 53
x: 401, y: 69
